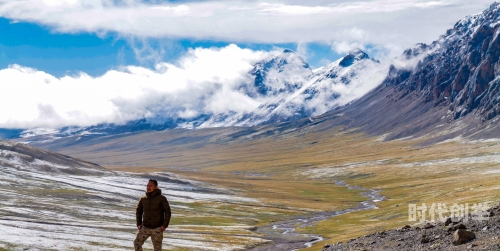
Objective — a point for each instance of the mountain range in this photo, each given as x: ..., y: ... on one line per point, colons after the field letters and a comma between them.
x: 285, y: 85
x: 447, y: 89
x: 295, y: 91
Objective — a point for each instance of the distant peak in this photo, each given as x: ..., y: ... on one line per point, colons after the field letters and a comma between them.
x: 494, y: 7
x: 355, y: 51
x: 358, y: 54
x: 488, y: 16
x: 415, y: 50
x: 354, y: 55
x: 290, y: 56
x: 495, y: 4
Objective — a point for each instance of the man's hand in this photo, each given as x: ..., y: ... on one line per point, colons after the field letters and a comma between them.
x: 139, y: 227
x: 162, y: 228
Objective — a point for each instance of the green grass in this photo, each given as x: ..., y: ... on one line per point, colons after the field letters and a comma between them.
x: 283, y: 190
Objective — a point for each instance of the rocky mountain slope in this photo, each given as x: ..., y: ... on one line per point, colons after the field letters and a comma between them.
x: 446, y: 89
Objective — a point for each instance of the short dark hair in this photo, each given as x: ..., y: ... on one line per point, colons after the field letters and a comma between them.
x: 154, y: 181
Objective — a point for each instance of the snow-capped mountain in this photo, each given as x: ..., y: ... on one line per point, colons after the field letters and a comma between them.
x: 282, y: 74
x: 275, y: 78
x: 320, y: 91
x: 449, y: 88
x: 459, y: 69
x: 283, y: 84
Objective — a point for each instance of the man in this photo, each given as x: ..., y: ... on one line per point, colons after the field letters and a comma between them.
x: 152, y: 216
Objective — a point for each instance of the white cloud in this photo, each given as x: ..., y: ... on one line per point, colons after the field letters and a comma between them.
x: 294, y: 10
x: 214, y: 81
x: 401, y: 22
x: 343, y: 47
x: 204, y: 80
x: 145, y: 52
x: 303, y: 51
x: 348, y: 7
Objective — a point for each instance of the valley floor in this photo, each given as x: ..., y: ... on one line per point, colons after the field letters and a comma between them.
x: 55, y: 211
x: 296, y: 174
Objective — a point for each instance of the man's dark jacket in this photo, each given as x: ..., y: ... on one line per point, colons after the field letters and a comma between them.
x: 153, y: 210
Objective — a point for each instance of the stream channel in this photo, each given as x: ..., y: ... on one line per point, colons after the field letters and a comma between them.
x: 283, y: 234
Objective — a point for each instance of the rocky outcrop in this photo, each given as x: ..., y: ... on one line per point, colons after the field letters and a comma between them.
x: 449, y: 88
x: 466, y: 234
x: 458, y: 70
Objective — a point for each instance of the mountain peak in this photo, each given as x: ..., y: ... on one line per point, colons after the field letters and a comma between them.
x: 354, y: 55
x: 470, y: 24
x: 416, y: 50
x: 494, y: 5
x: 358, y: 53
x: 273, y: 75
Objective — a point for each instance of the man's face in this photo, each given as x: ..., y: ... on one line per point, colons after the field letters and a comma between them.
x: 150, y: 187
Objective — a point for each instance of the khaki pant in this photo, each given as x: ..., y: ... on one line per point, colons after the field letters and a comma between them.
x: 143, y: 234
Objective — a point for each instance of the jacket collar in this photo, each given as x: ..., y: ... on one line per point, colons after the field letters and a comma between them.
x: 154, y: 193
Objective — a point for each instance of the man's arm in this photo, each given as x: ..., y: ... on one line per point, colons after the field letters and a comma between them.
x: 168, y: 213
x: 138, y: 213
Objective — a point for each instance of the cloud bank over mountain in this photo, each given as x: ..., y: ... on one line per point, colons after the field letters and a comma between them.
x: 204, y: 80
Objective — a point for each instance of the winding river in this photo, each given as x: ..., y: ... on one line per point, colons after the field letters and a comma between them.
x: 283, y: 234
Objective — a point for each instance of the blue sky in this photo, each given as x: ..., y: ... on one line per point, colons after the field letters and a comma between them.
x: 37, y: 47
x: 60, y: 54
x: 84, y: 62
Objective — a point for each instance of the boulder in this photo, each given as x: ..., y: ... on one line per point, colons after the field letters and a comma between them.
x: 462, y: 236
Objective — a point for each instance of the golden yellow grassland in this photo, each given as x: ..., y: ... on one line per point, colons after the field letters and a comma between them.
x: 292, y: 174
